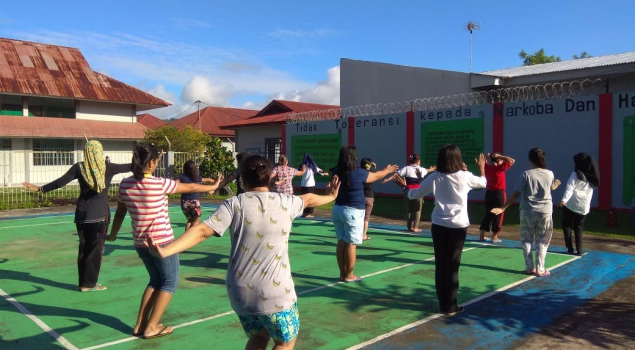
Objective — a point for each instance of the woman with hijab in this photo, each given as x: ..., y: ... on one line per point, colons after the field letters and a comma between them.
x: 308, y: 180
x: 576, y: 201
x: 92, y: 214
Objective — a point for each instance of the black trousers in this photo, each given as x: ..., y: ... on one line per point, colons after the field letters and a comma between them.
x: 91, y: 247
x: 303, y: 190
x: 493, y: 199
x: 448, y: 247
x: 573, y: 220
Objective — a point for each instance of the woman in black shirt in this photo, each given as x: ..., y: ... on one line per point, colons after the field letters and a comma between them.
x: 92, y: 214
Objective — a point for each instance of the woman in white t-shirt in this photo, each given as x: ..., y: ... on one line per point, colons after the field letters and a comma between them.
x: 449, y: 186
x: 413, y: 175
x: 576, y: 201
x: 308, y: 180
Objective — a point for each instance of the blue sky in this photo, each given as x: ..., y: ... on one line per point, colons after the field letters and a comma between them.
x: 245, y: 53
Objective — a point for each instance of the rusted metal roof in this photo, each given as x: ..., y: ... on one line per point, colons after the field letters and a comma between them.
x: 41, y: 127
x: 28, y: 68
x: 212, y: 118
x: 276, y: 112
x: 151, y: 121
x: 582, y: 63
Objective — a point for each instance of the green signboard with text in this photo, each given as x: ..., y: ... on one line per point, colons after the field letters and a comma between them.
x: 466, y: 133
x: 324, y: 148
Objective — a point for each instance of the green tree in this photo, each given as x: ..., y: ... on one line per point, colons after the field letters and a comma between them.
x: 583, y: 54
x: 217, y: 159
x: 187, y: 139
x: 538, y: 57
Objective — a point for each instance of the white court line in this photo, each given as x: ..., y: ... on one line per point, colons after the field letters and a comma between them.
x: 39, y: 322
x: 125, y: 340
x: 435, y: 316
x: 54, y: 223
x: 47, y: 216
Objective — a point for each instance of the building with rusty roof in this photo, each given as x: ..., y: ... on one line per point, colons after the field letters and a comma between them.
x: 51, y: 100
x: 262, y: 133
x: 150, y: 121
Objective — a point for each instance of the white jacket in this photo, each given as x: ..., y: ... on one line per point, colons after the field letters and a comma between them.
x: 577, y: 195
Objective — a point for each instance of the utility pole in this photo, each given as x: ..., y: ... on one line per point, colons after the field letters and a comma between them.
x: 198, y: 107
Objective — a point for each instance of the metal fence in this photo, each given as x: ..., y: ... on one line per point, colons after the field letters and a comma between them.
x: 18, y: 166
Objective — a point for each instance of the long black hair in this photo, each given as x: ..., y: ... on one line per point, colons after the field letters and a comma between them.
x: 142, y: 154
x: 189, y: 170
x: 537, y: 158
x: 347, y: 161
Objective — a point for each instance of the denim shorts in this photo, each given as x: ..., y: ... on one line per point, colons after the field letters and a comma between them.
x: 349, y: 224
x: 164, y: 273
x: 282, y: 326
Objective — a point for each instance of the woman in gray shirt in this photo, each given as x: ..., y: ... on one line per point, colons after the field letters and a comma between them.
x: 536, y: 208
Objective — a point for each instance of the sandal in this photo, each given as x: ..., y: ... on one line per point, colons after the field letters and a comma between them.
x: 543, y: 274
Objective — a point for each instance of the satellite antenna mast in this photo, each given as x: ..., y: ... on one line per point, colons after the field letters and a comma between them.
x: 471, y: 26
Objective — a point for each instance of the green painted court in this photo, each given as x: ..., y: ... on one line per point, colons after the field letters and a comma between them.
x: 41, y: 308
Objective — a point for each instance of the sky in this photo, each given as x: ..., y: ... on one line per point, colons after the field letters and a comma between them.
x: 243, y: 54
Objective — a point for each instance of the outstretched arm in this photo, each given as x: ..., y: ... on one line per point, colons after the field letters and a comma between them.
x: 120, y: 214
x: 196, y: 188
x: 388, y: 170
x: 189, y: 239
x: 314, y: 200
x: 509, y: 202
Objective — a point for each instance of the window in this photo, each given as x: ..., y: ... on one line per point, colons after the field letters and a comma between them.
x: 53, y: 152
x: 9, y: 109
x: 5, y: 144
x: 273, y: 147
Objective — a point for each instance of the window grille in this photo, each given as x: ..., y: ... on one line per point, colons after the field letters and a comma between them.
x: 273, y: 147
x: 53, y: 152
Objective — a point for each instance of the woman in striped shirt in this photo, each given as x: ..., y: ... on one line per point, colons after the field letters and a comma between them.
x: 145, y: 198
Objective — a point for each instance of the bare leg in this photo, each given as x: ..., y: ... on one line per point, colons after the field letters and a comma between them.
x: 147, y: 301
x: 482, y: 235
x: 283, y: 346
x: 161, y: 301
x: 365, y: 230
x: 341, y: 257
x: 349, y: 263
x: 258, y: 341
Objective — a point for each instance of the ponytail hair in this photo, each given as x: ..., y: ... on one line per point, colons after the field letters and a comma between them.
x: 255, y: 171
x: 142, y: 154
x: 537, y: 158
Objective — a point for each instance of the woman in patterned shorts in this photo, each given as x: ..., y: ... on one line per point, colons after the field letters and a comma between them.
x: 190, y: 204
x: 259, y: 282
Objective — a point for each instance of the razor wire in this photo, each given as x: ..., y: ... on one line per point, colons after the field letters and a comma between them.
x: 509, y: 94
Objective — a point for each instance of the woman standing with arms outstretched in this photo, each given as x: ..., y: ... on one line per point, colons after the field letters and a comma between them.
x: 190, y: 203
x: 284, y: 174
x: 349, y: 209
x: 92, y: 214
x: 576, y: 201
x: 145, y: 198
x: 308, y: 180
x: 536, y: 211
x: 449, y: 185
x: 413, y: 175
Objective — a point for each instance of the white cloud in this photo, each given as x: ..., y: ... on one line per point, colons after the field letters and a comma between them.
x: 204, y: 89
x: 160, y: 92
x: 325, y: 92
x: 302, y: 34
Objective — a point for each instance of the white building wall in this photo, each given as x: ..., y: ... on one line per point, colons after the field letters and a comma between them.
x: 254, y: 137
x: 114, y: 112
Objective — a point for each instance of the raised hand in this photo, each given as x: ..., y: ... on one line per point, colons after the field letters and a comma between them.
x: 333, y: 187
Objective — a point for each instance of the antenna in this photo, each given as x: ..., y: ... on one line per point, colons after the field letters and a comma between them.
x: 471, y: 26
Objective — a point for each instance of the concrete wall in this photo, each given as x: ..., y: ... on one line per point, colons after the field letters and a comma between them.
x: 254, y: 137
x: 116, y: 112
x: 364, y: 83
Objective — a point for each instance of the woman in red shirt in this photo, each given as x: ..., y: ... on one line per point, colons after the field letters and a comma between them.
x: 495, y: 195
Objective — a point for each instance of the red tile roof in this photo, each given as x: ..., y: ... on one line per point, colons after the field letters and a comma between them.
x: 28, y: 68
x: 212, y: 118
x: 40, y: 127
x: 276, y: 112
x: 150, y: 121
